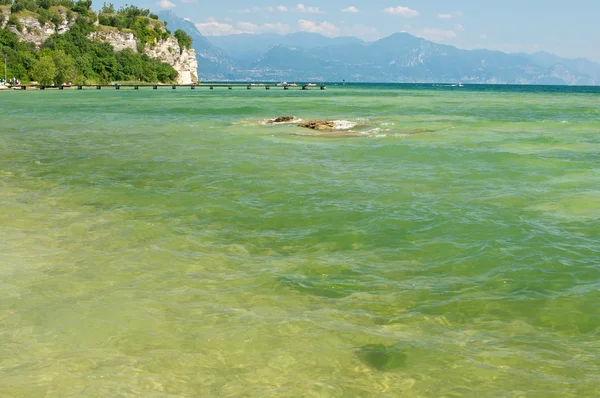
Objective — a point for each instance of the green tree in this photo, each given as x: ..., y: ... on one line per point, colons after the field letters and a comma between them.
x: 44, y: 70
x: 5, y: 2
x: 108, y: 8
x: 184, y: 40
x: 66, y: 70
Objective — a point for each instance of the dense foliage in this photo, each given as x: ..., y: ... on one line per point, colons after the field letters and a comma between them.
x: 72, y: 56
x: 184, y: 40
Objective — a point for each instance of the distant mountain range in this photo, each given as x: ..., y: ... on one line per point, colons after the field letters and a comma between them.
x: 400, y: 57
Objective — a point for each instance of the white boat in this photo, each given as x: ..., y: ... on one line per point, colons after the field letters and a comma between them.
x: 282, y: 84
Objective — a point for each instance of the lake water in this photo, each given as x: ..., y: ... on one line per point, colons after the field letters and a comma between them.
x: 165, y: 243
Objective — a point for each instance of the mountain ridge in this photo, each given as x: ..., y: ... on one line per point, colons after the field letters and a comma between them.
x: 400, y: 57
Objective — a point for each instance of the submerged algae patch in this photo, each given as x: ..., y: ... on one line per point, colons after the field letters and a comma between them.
x: 382, y: 357
x: 323, y: 287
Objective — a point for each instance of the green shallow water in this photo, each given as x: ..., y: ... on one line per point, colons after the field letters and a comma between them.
x: 166, y: 244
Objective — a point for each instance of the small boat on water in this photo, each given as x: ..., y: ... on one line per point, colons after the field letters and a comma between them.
x: 282, y: 84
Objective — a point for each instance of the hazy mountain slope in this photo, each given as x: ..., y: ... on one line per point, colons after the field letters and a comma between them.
x: 576, y: 65
x: 250, y: 46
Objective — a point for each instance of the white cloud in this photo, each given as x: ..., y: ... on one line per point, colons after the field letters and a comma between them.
x: 308, y: 9
x: 451, y: 15
x: 435, y: 34
x: 165, y: 4
x: 324, y: 28
x: 299, y: 8
x: 459, y: 28
x: 351, y: 9
x: 402, y: 11
x: 215, y: 28
x: 247, y: 10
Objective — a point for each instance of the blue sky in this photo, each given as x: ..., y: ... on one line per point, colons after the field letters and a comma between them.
x: 566, y: 28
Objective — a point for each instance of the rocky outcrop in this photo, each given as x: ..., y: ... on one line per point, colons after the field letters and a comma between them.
x: 284, y: 119
x: 37, y: 33
x: 321, y: 125
x: 118, y: 40
x: 184, y: 62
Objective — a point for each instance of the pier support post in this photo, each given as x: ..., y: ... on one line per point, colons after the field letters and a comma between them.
x: 136, y: 87
x: 267, y: 88
x: 230, y: 88
x: 249, y: 88
x: 79, y: 87
x: 286, y: 88
x: 304, y: 87
x: 98, y: 87
x: 42, y: 87
x: 193, y: 86
x: 23, y: 87
x: 211, y: 87
x: 155, y: 87
x: 323, y: 87
x: 174, y: 87
x: 61, y: 87
x: 117, y: 87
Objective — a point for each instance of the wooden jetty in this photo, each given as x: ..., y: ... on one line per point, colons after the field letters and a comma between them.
x: 172, y: 86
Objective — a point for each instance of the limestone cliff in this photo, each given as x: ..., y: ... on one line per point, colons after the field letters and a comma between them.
x: 35, y: 32
x: 118, y: 40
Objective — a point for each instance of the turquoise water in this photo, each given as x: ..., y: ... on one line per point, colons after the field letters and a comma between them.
x: 167, y: 244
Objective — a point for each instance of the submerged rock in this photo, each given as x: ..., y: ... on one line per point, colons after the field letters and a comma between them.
x: 382, y: 357
x: 321, y: 125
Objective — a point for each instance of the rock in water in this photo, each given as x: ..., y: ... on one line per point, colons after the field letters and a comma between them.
x: 417, y: 131
x: 382, y: 357
x: 283, y: 119
x: 321, y: 125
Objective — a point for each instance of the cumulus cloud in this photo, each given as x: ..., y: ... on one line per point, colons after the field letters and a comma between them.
x: 402, y: 11
x: 307, y: 9
x: 299, y: 8
x: 166, y: 4
x: 351, y: 9
x: 451, y: 15
x: 324, y: 28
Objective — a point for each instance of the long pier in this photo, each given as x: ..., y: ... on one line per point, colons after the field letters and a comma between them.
x: 172, y: 86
